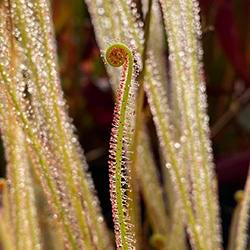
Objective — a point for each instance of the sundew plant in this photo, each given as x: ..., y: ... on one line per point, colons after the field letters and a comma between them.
x: 48, y: 198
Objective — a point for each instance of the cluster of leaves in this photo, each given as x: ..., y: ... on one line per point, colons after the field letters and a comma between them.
x: 44, y: 158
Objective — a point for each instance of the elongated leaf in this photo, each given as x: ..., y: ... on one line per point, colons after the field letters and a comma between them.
x: 108, y: 26
x: 183, y: 28
x: 119, y: 55
x: 41, y: 113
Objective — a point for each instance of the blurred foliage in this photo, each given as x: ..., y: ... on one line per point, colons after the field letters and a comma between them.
x: 226, y: 44
x: 226, y: 60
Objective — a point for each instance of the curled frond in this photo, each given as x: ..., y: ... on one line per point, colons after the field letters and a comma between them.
x: 117, y: 55
x: 109, y: 26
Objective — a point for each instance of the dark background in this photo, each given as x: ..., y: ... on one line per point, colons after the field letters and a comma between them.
x: 226, y: 44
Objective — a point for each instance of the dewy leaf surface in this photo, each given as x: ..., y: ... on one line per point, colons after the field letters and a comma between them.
x: 182, y: 24
x: 41, y: 112
x: 119, y: 55
x: 159, y: 108
x: 21, y: 216
x: 108, y: 26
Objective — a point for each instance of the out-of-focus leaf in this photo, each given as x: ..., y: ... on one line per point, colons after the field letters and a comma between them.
x: 227, y: 32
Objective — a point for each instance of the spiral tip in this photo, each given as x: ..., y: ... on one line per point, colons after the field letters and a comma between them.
x: 116, y: 55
